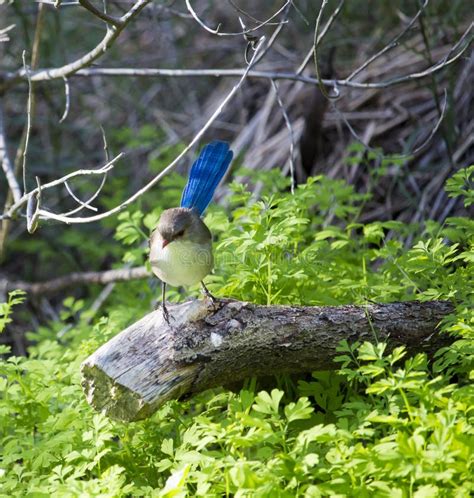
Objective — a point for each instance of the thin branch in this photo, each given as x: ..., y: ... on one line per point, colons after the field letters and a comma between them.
x: 412, y: 153
x: 80, y: 172
x: 434, y: 90
x: 321, y: 35
x: 58, y: 3
x: 28, y: 119
x: 67, y: 219
x: 82, y: 204
x: 102, y: 15
x: 86, y: 204
x: 7, y: 165
x: 390, y: 45
x: 292, y: 138
x: 35, y: 52
x: 32, y: 209
x: 217, y: 31
x: 77, y: 68
x: 275, y: 34
x: 67, y: 94
x: 198, y: 20
x: 321, y: 85
x: 249, y: 16
x: 274, y: 75
x: 4, y: 37
x: 87, y: 59
x: 73, y: 279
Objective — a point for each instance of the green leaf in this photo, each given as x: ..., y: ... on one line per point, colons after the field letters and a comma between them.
x: 299, y: 410
x: 268, y: 403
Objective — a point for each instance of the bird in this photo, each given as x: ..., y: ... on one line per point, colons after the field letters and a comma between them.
x: 181, y: 244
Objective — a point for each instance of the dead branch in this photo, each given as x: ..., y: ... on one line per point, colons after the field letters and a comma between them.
x: 244, y: 31
x: 274, y: 75
x: 100, y: 14
x: 100, y: 49
x: 151, y: 362
x: 74, y: 279
x: 6, y: 163
x: 46, y: 215
x: 80, y: 172
x: 78, y: 68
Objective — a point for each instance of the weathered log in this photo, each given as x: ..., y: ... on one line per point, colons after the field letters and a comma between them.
x: 209, y: 345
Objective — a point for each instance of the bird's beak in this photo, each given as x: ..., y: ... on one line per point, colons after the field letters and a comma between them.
x: 165, y: 243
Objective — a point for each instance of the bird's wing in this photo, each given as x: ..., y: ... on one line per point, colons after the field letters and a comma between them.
x: 206, y: 173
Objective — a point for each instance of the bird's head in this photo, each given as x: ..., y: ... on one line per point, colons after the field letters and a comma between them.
x: 182, y: 224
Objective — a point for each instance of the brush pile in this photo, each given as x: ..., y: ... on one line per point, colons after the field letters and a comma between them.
x: 428, y: 134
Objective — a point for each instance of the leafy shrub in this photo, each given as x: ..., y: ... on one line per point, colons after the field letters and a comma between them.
x: 383, y: 425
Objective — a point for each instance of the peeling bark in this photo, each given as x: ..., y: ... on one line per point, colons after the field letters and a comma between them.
x: 208, y: 345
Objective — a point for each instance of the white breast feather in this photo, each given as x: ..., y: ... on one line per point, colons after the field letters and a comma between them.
x: 180, y: 263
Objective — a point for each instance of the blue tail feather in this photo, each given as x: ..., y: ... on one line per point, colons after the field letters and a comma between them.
x: 206, y: 173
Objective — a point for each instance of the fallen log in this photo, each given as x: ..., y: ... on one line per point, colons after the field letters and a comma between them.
x: 208, y: 345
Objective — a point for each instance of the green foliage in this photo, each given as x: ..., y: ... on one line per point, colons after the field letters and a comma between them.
x: 14, y: 297
x: 383, y: 425
x: 462, y: 184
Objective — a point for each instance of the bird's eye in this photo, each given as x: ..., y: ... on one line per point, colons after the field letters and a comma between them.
x: 180, y: 234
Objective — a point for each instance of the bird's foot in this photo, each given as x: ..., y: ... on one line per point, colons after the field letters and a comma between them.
x: 164, y: 310
x: 166, y: 315
x: 206, y: 292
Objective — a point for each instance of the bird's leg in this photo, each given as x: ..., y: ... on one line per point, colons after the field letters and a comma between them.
x: 164, y: 309
x: 207, y: 293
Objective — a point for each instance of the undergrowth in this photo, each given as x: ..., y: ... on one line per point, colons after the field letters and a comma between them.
x: 382, y: 425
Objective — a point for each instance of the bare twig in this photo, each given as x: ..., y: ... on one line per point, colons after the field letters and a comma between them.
x: 290, y: 131
x: 321, y: 35
x: 58, y: 3
x: 67, y: 94
x: 80, y: 172
x: 32, y: 209
x: 217, y: 31
x: 321, y: 85
x: 86, y: 204
x: 74, y: 279
x: 413, y: 152
x: 19, y: 157
x: 434, y: 89
x: 101, y: 15
x: 286, y: 10
x: 390, y: 45
x: 77, y: 67
x: 272, y: 75
x: 28, y: 119
x: 198, y: 20
x: 4, y: 37
x: 6, y: 163
x: 67, y: 219
x: 82, y: 204
x: 249, y: 16
x: 87, y: 59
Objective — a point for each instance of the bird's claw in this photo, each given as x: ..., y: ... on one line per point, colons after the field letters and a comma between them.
x: 164, y: 310
x: 166, y: 315
x: 206, y: 292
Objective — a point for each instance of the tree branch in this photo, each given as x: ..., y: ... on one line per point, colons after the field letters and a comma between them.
x: 245, y: 31
x: 151, y: 362
x: 6, y: 163
x: 111, y: 35
x: 101, y: 15
x: 87, y: 219
x: 73, y: 279
x: 272, y: 75
x: 80, y: 172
